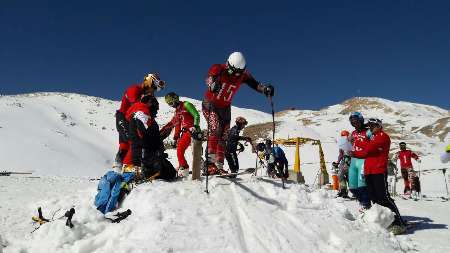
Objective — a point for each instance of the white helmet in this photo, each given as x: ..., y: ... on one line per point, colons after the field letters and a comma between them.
x: 236, y: 61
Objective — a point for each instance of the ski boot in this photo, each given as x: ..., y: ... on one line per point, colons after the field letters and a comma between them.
x: 397, y: 228
x: 183, y: 172
x: 343, y: 194
x: 212, y: 169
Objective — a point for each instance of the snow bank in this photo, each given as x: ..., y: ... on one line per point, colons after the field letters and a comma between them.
x: 248, y: 215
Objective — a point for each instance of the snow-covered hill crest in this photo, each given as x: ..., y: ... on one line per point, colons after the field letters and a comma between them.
x: 69, y: 134
x: 72, y: 134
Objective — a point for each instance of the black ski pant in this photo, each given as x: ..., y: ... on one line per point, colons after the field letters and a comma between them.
x: 233, y: 161
x: 377, y: 187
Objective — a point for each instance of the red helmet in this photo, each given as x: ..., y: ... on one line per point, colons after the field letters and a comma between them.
x: 345, y: 133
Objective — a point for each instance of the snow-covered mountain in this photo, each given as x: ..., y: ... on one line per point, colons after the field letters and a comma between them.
x: 68, y: 134
x: 60, y: 135
x: 425, y: 128
x: 72, y: 134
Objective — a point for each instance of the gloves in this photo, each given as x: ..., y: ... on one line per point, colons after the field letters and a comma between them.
x: 215, y: 87
x: 269, y: 90
x: 194, y: 129
x: 174, y: 143
x: 213, y: 84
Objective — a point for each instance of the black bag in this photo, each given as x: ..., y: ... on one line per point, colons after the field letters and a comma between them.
x: 160, y: 164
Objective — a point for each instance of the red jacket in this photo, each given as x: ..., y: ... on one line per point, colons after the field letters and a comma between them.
x: 182, y: 119
x: 131, y: 96
x: 360, y: 141
x: 141, y: 112
x: 377, y: 154
x: 230, y: 85
x: 405, y: 158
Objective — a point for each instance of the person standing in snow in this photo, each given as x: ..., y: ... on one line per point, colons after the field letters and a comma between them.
x: 359, y: 140
x: 133, y: 94
x: 223, y: 81
x: 376, y: 154
x: 406, y: 167
x: 233, y: 142
x: 186, y: 122
x: 343, y: 162
x: 146, y: 152
x: 445, y: 157
x: 277, y: 163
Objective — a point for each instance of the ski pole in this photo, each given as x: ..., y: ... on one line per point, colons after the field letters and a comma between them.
x: 205, y: 165
x: 273, y: 118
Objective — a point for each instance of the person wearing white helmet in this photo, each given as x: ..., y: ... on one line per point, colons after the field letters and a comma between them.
x: 151, y: 83
x: 223, y: 81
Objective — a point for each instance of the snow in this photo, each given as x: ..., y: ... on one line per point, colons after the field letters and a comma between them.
x: 250, y: 214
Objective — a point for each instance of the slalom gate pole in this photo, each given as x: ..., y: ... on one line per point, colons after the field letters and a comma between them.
x: 256, y: 164
x: 420, y: 183
x: 445, y: 180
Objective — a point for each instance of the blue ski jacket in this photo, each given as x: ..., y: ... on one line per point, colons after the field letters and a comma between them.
x: 109, y: 189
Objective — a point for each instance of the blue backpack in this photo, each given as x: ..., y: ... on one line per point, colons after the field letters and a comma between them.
x: 109, y: 189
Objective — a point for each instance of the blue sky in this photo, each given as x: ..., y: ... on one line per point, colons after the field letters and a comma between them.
x: 315, y: 53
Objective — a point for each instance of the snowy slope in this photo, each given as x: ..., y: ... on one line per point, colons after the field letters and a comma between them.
x: 251, y: 214
x: 68, y: 134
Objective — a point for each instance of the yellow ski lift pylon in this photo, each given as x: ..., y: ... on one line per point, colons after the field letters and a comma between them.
x: 297, y: 142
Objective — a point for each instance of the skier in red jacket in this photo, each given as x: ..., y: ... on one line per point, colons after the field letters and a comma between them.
x: 186, y: 122
x: 405, y: 156
x: 376, y: 154
x: 133, y: 94
x: 223, y: 82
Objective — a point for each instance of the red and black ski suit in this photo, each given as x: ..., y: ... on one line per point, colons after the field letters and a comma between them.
x: 140, y: 121
x: 216, y: 107
x: 376, y: 155
x: 131, y: 96
x: 406, y: 167
x: 185, y: 118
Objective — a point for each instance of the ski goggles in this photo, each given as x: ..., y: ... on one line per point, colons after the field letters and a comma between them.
x: 373, y: 122
x: 158, y: 84
x: 234, y: 71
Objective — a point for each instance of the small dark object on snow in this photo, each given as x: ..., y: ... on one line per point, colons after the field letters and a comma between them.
x: 119, y: 216
x: 69, y: 214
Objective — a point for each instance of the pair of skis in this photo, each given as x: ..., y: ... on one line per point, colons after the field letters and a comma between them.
x: 41, y: 220
x: 114, y: 218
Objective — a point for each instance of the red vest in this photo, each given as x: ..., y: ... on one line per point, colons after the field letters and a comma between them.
x: 136, y: 108
x: 360, y: 141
